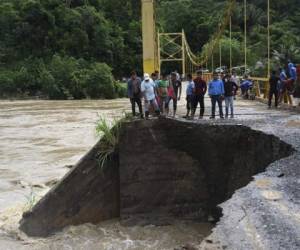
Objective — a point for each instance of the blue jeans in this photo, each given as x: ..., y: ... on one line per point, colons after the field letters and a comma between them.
x: 229, y: 104
x: 216, y: 99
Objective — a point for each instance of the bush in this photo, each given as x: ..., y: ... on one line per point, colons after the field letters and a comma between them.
x: 60, y: 78
x: 62, y: 69
x: 50, y: 88
x: 7, y: 84
x: 25, y: 79
x: 121, y: 89
x: 99, y: 82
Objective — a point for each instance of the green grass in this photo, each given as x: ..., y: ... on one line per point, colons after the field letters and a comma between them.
x: 109, y: 133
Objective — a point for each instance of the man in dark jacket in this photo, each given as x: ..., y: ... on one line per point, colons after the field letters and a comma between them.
x: 230, y: 88
x: 274, y: 81
x: 134, y: 93
x: 199, y: 93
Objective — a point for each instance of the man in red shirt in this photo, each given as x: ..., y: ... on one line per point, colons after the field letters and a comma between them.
x: 199, y: 93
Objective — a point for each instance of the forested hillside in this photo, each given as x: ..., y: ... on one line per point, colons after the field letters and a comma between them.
x: 200, y: 20
x: 69, y: 48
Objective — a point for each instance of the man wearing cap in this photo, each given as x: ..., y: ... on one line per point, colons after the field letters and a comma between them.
x: 148, y: 90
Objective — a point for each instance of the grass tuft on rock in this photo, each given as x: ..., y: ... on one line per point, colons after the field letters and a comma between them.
x: 109, y: 133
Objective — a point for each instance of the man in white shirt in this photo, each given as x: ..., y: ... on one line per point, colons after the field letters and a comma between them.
x: 148, y: 90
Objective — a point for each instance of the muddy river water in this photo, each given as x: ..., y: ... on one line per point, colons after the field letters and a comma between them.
x: 38, y: 141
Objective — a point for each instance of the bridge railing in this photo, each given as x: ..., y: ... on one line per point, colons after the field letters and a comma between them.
x: 261, y: 86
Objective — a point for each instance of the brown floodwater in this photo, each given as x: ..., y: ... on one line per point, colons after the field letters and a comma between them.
x: 38, y: 141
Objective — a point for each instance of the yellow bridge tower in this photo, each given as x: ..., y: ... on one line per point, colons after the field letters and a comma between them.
x: 150, y: 58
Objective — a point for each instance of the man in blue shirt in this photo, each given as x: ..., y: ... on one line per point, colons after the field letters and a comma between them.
x: 216, y: 92
x: 134, y: 93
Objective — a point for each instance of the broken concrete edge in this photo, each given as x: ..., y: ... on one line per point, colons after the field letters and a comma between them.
x: 252, y: 216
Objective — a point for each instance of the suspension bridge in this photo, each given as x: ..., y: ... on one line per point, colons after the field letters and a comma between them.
x: 160, y: 48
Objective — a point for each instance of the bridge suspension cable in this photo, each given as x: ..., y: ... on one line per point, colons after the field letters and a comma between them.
x: 175, y: 47
x: 181, y: 50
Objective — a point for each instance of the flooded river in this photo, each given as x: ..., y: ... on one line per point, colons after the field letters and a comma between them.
x: 39, y: 140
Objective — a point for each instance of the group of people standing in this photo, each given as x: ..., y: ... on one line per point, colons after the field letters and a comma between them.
x: 219, y: 89
x: 158, y: 92
x: 281, y: 85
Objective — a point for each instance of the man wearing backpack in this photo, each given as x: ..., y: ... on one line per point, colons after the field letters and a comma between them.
x: 135, y: 93
x: 199, y: 93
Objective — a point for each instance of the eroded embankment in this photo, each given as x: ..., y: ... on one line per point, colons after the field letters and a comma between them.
x: 162, y: 168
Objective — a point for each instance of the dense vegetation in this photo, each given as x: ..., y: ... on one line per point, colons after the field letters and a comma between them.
x: 73, y: 48
x: 67, y: 49
x: 200, y: 20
